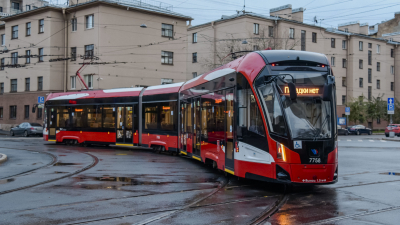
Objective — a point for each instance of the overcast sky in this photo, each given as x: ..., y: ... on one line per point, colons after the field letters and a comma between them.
x: 332, y: 12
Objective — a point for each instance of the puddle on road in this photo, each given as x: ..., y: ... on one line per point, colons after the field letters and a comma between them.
x: 7, y: 181
x: 391, y: 173
x: 66, y: 164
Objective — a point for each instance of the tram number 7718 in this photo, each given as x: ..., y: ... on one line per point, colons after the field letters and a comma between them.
x: 315, y: 160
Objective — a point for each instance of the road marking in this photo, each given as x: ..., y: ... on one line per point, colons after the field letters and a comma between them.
x: 360, y: 140
x: 383, y: 141
x: 348, y: 140
x: 371, y: 140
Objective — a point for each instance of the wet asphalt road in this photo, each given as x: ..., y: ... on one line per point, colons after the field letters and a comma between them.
x: 44, y: 183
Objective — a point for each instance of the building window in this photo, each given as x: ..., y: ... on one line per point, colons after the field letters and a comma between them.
x: 378, y: 84
x: 391, y: 69
x: 89, y: 51
x: 1, y: 112
x: 89, y: 21
x: 41, y: 55
x: 314, y: 37
x: 360, y: 63
x: 15, y: 5
x: 41, y: 26
x: 255, y: 47
x: 167, y: 57
x: 369, y: 45
x: 332, y: 61
x: 378, y: 49
x: 14, y: 31
x: 27, y: 84
x: 361, y: 83
x: 13, y: 112
x: 74, y: 25
x: 1, y: 88
x: 343, y: 99
x: 194, y: 37
x: 39, y: 113
x: 28, y: 7
x: 194, y: 74
x: 360, y: 45
x: 344, y: 44
x: 26, y: 110
x: 167, y: 30
x: 344, y: 63
x: 369, y: 75
x: 2, y: 64
x: 378, y: 66
x: 344, y: 83
x: 256, y: 28
x: 270, y: 31
x: 346, y: 30
x: 89, y: 81
x: 392, y: 86
x: 333, y: 42
x: 73, y: 82
x: 392, y: 52
x: 14, y: 58
x: 378, y: 120
x: 28, y: 29
x: 291, y: 33
x: 13, y: 85
x: 40, y: 83
x: 194, y: 57
x: 73, y: 54
x: 3, y: 39
x: 369, y: 57
x: 28, y: 56
x: 369, y: 93
x: 1, y: 9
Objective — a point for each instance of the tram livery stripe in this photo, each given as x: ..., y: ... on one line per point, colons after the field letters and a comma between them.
x: 124, y: 144
x: 230, y: 171
x: 194, y: 157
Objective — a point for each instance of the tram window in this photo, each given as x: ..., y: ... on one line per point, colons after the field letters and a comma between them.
x: 62, y: 117
x: 77, y: 114
x: 108, y: 117
x: 167, y: 116
x: 207, y: 117
x: 93, y: 116
x: 150, y: 116
x: 256, y: 121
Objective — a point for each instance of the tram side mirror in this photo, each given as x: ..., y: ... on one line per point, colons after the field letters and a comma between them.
x: 292, y: 91
x: 327, y: 95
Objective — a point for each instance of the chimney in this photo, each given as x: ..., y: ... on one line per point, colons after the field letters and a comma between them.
x: 297, y: 14
x: 284, y: 11
x: 350, y: 27
x: 364, y: 28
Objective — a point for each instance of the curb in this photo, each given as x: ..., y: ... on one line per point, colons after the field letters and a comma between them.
x: 3, y: 158
x: 390, y: 139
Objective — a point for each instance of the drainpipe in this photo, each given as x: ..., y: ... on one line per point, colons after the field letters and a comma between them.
x: 65, y: 50
x: 215, y: 44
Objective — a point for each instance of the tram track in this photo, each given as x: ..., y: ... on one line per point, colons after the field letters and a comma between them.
x: 95, y: 160
x: 54, y: 160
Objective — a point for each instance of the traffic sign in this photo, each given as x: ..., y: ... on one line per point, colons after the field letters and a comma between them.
x: 347, y: 111
x: 390, y: 106
x: 341, y: 120
x: 40, y: 99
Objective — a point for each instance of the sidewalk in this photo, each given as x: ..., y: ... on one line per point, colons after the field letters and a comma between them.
x: 391, y: 139
x: 3, y: 132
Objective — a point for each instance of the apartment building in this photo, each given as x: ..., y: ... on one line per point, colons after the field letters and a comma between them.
x: 123, y: 45
x: 362, y: 65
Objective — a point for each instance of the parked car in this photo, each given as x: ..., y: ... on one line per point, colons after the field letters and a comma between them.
x: 392, y: 127
x: 342, y: 131
x: 359, y: 129
x: 27, y: 129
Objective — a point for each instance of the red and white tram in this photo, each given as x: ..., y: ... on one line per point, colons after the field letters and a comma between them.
x: 269, y: 115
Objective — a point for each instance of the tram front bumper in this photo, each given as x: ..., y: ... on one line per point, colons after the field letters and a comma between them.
x: 313, y: 173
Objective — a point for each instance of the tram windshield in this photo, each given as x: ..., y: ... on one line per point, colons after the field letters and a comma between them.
x: 308, y: 117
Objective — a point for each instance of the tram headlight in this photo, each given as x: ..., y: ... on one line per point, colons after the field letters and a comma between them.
x: 280, y: 151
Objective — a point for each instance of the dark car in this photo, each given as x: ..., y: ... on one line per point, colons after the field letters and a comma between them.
x: 392, y: 128
x: 359, y: 129
x: 27, y: 129
x: 342, y: 131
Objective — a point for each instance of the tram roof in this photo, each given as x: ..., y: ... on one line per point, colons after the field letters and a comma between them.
x: 289, y: 55
x: 107, y: 93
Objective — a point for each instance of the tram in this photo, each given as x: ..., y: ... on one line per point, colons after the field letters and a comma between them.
x: 269, y: 115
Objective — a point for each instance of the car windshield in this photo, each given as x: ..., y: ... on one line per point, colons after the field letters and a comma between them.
x: 35, y: 125
x: 308, y: 117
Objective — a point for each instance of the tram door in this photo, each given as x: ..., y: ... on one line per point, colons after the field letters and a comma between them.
x: 183, y: 136
x: 124, y: 125
x: 229, y: 129
x: 197, y: 127
x: 52, y: 122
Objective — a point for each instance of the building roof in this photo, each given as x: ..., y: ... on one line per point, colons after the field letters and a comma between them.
x: 123, y: 3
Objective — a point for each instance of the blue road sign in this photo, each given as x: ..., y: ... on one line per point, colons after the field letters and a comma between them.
x: 40, y: 99
x: 347, y: 110
x: 390, y: 105
x: 341, y: 120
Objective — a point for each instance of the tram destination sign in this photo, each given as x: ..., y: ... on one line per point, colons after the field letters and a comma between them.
x: 304, y: 90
